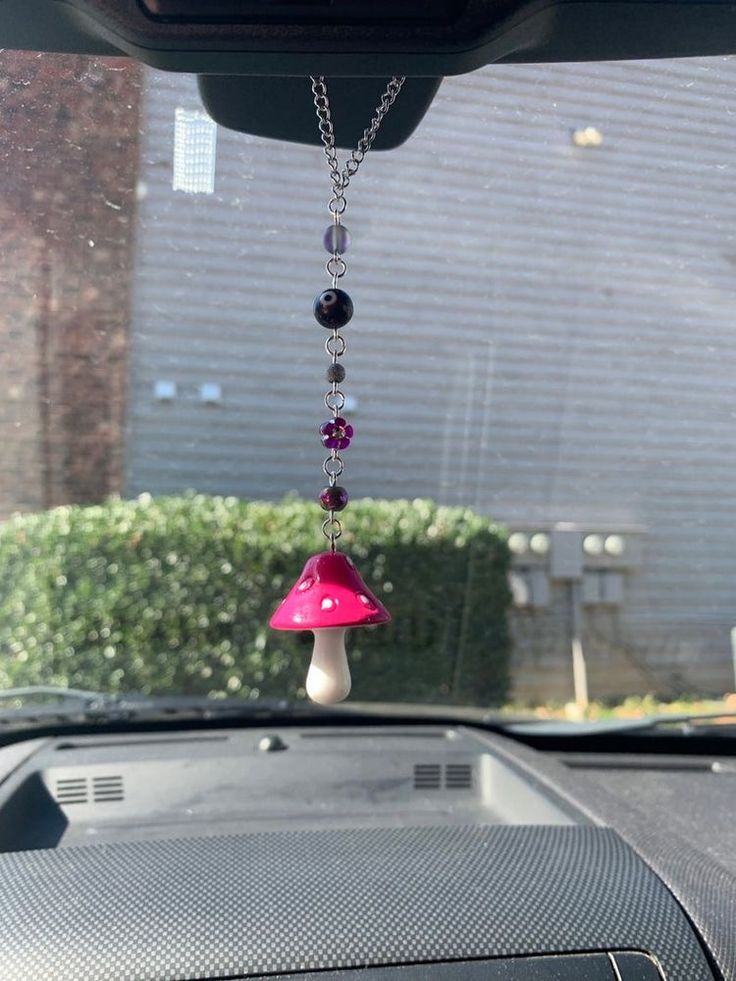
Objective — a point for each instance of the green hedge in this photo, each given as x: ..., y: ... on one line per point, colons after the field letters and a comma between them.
x: 174, y: 594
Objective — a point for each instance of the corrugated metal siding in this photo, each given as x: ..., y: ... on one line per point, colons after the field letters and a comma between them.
x: 541, y: 331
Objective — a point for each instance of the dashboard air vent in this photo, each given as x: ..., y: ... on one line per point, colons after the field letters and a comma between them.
x: 76, y: 790
x: 72, y: 790
x: 427, y: 776
x: 106, y: 789
x: 458, y: 776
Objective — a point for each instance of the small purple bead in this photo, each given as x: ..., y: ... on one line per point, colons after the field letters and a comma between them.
x: 336, y: 239
x: 333, y: 498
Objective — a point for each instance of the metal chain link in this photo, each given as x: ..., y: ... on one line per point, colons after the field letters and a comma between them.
x: 333, y: 466
x: 340, y: 180
x: 336, y: 266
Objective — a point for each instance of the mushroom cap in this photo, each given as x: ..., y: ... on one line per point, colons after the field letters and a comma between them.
x: 329, y: 593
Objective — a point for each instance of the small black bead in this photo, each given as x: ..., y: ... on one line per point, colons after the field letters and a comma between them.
x: 336, y: 373
x: 333, y: 309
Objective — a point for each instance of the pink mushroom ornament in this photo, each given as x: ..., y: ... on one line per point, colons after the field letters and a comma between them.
x: 329, y: 597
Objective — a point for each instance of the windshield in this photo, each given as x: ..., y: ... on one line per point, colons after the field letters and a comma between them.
x: 541, y: 382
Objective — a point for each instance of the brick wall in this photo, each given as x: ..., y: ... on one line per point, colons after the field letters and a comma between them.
x: 69, y: 158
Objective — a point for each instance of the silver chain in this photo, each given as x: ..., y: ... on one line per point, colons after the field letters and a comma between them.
x: 336, y: 266
x: 340, y: 180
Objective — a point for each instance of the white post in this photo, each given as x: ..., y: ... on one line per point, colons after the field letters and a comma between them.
x: 579, y: 668
x: 733, y: 654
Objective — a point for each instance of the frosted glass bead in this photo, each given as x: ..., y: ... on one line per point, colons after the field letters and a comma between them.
x: 336, y: 239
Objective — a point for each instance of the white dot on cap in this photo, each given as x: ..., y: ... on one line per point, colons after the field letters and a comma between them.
x: 365, y: 601
x: 328, y: 603
x: 305, y: 584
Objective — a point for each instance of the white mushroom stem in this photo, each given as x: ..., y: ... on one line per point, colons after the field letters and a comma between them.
x: 328, y: 678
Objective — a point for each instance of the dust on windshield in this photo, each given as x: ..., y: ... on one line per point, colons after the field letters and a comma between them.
x: 541, y: 386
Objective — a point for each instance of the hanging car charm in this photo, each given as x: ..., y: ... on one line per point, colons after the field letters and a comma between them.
x: 329, y: 595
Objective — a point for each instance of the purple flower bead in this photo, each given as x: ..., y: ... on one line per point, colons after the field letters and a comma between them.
x: 336, y: 434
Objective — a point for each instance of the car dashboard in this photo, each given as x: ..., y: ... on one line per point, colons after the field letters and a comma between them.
x: 423, y: 851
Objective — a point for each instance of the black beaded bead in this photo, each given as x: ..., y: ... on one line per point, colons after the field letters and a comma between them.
x: 333, y: 309
x: 336, y: 373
